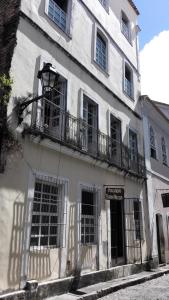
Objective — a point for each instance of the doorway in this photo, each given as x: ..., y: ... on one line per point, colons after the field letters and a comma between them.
x: 117, y: 232
x: 160, y: 239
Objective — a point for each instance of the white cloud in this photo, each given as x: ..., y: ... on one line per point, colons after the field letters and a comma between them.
x: 154, y: 67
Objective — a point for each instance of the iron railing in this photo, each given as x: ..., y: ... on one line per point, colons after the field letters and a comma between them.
x: 50, y: 121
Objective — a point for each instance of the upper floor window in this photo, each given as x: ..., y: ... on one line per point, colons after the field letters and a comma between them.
x: 101, y: 51
x: 90, y: 124
x: 125, y: 26
x: 133, y: 146
x: 57, y: 11
x: 128, y: 81
x: 115, y: 138
x: 153, y: 153
x: 164, y: 151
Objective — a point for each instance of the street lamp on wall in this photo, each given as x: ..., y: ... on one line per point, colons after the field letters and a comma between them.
x: 48, y: 77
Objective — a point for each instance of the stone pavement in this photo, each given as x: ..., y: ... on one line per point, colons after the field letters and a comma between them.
x: 106, y: 288
x: 150, y: 290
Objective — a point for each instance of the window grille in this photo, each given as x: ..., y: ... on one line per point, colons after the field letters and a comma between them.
x: 101, y: 49
x: 128, y: 82
x: 57, y: 14
x: 152, y: 143
x: 115, y: 135
x: 138, y: 220
x: 133, y: 153
x: 48, y: 213
x: 125, y: 26
x: 89, y: 212
x: 164, y: 151
x: 90, y: 125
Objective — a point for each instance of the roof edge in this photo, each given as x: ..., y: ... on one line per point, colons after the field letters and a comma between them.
x: 134, y: 6
x: 146, y: 98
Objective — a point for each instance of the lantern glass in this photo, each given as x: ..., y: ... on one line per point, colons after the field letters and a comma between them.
x: 48, y: 77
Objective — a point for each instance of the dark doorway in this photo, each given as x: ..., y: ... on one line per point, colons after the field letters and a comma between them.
x: 117, y: 232
x: 160, y: 238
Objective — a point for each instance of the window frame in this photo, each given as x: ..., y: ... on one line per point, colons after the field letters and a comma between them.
x: 99, y: 31
x: 136, y: 134
x: 131, y: 94
x: 62, y: 217
x: 86, y: 224
x: 97, y: 190
x: 128, y: 26
x: 118, y: 141
x: 141, y: 223
x: 153, y: 146
x: 68, y: 29
x: 164, y: 151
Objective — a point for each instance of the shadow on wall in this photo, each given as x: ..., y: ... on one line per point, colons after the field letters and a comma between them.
x: 71, y: 242
x: 14, y: 268
x: 39, y: 264
x: 39, y: 260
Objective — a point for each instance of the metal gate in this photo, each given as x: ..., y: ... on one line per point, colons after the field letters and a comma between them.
x: 133, y: 230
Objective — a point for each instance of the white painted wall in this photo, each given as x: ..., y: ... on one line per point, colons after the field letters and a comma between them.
x: 157, y: 173
x: 31, y: 51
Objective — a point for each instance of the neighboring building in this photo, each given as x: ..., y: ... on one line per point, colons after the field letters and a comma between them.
x: 156, y: 133
x: 78, y: 140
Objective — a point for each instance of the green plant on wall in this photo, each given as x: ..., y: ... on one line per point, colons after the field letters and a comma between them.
x: 5, y: 88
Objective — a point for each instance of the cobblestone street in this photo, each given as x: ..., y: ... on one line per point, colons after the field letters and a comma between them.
x: 150, y: 290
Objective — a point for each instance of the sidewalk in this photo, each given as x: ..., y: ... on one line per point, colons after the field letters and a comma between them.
x: 99, y: 290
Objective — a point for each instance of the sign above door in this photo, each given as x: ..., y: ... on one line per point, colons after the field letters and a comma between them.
x: 114, y: 193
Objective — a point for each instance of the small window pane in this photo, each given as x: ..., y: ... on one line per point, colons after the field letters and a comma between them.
x: 101, y: 52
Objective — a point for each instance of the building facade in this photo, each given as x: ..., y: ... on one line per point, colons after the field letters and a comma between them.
x: 156, y: 122
x: 72, y: 195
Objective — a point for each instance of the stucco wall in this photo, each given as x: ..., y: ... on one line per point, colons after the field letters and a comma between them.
x: 82, y: 42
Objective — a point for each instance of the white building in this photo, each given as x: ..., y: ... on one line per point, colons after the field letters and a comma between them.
x: 156, y: 124
x: 77, y: 140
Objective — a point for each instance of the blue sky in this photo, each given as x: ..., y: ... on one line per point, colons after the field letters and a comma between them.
x: 154, y: 18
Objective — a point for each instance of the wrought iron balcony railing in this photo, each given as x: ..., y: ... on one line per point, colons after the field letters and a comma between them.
x: 50, y: 121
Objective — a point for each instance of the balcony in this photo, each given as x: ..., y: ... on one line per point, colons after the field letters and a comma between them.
x: 49, y: 121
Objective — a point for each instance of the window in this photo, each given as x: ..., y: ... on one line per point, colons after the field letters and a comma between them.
x: 52, y: 121
x: 133, y: 145
x: 104, y: 3
x: 128, y: 81
x: 88, y: 217
x: 57, y: 11
x: 165, y: 199
x: 115, y: 135
x: 152, y: 143
x: 101, y: 51
x: 138, y: 220
x: 125, y: 26
x: 46, y: 214
x: 90, y: 125
x: 133, y: 151
x: 164, y: 151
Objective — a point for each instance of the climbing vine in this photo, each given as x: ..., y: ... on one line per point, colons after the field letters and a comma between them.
x: 5, y: 89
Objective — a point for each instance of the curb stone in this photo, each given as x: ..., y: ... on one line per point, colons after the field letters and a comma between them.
x: 103, y: 292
